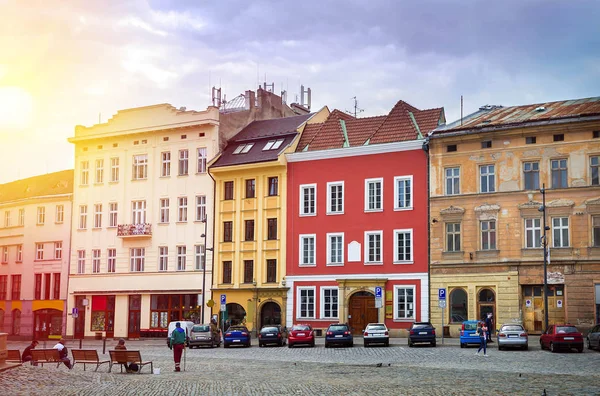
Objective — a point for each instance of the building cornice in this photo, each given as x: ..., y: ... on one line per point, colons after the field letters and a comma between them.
x: 355, y: 151
x: 41, y: 197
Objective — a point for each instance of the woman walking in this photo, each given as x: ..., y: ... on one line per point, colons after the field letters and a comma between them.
x: 482, y: 330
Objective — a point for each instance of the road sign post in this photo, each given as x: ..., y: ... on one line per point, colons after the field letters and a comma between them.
x: 442, y: 305
x: 378, y: 297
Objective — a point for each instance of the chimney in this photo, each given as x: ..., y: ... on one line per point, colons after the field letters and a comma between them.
x: 249, y: 100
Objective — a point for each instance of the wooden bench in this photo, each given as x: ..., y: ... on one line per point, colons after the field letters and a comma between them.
x: 124, y: 357
x: 14, y: 355
x: 42, y: 356
x: 87, y: 356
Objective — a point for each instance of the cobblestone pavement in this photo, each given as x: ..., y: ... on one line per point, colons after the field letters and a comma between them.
x: 397, y: 370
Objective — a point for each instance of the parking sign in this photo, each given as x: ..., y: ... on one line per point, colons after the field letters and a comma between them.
x: 378, y: 292
x: 223, y: 299
x: 441, y: 294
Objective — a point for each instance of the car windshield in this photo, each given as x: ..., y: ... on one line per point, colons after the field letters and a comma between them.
x: 338, y: 328
x: 269, y: 330
x: 200, y: 329
x: 300, y: 328
x: 470, y: 326
x: 566, y: 329
x: 512, y: 328
x: 421, y: 326
x: 376, y: 327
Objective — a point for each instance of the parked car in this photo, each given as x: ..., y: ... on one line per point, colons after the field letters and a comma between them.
x: 276, y: 334
x: 376, y: 333
x: 513, y: 335
x: 185, y: 325
x: 338, y: 334
x: 301, y: 334
x: 593, y: 338
x: 201, y: 335
x: 237, y: 335
x: 421, y: 332
x: 561, y: 336
x: 468, y: 333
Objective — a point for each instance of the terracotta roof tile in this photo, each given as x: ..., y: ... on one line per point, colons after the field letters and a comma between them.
x: 55, y: 183
x: 361, y: 129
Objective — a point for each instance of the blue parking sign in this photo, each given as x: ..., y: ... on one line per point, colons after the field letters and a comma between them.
x: 378, y: 292
x: 223, y: 299
x: 442, y: 294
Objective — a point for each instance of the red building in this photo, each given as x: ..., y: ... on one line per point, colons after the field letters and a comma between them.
x: 357, y: 220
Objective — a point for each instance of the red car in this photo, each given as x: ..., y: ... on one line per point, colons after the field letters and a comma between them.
x: 562, y: 336
x: 301, y: 334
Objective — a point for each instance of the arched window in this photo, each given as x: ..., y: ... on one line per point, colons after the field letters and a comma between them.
x: 486, y: 295
x: 459, y: 302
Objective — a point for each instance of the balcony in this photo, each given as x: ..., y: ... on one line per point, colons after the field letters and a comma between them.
x: 143, y: 230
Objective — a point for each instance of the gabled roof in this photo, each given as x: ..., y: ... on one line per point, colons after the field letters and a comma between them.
x: 56, y: 183
x: 268, y: 128
x: 499, y: 117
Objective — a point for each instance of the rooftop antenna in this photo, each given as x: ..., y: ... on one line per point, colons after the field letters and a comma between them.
x: 356, y: 109
x: 308, y: 94
x: 461, y: 109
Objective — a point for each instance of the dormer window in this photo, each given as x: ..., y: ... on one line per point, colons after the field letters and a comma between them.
x: 273, y: 144
x: 243, y: 148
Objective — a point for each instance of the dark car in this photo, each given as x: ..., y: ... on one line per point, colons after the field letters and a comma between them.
x: 338, y: 334
x: 301, y: 334
x: 593, y: 338
x: 421, y: 332
x: 272, y: 335
x: 237, y: 335
x: 559, y: 336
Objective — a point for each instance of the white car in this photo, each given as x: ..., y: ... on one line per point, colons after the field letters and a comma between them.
x: 376, y: 333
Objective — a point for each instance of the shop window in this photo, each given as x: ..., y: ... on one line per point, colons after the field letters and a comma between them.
x: 459, y: 303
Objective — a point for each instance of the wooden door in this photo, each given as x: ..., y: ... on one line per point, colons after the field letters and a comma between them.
x: 133, y: 324
x: 79, y: 331
x: 362, y: 311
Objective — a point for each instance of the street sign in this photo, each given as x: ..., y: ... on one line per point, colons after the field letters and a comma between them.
x: 442, y: 304
x: 378, y: 292
x: 223, y: 299
x: 223, y: 307
x: 75, y: 311
x: 378, y: 302
x: 441, y: 294
x: 75, y: 315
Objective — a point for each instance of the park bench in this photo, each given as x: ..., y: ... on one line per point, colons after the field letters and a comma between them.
x: 123, y: 357
x: 42, y: 356
x: 14, y: 356
x: 87, y: 356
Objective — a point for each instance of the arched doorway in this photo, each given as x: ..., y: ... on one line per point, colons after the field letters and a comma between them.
x: 16, y: 322
x: 47, y: 323
x: 361, y: 311
x: 270, y: 314
x: 236, y: 314
x: 486, y: 303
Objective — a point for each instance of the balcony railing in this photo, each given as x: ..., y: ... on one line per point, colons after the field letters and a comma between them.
x: 134, y: 230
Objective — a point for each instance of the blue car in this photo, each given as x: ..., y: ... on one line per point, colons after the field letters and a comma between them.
x: 338, y: 334
x: 468, y: 333
x: 237, y: 335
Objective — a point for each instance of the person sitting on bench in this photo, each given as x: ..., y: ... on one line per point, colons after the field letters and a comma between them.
x: 63, y: 352
x: 26, y: 357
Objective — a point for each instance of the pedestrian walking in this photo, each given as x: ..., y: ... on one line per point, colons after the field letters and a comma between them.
x: 489, y: 322
x: 63, y: 353
x: 482, y: 331
x: 26, y: 357
x: 177, y: 344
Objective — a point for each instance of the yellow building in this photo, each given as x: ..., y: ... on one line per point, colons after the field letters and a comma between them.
x: 250, y: 220
x: 486, y: 226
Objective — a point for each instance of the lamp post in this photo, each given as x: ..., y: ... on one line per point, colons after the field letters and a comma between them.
x: 206, y: 249
x: 545, y: 246
x: 255, y: 307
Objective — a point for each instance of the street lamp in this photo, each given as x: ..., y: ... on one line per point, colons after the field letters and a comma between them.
x: 545, y: 246
x: 206, y: 249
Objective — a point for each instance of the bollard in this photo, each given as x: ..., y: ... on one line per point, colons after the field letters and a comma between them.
x: 104, y: 346
x: 80, y: 343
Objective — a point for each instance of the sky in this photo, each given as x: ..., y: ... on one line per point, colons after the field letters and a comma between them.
x: 66, y: 62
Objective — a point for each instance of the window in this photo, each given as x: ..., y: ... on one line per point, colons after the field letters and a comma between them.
x: 182, y: 209
x: 16, y: 287
x: 81, y: 261
x: 335, y: 249
x: 486, y: 144
x: 97, y: 215
x: 228, y: 193
x: 138, y: 211
x: 4, y: 254
x: 60, y: 214
x: 83, y: 217
x: 250, y: 188
x: 306, y: 303
x: 308, y: 199
x: 249, y: 230
x: 594, y: 167
x: 560, y: 232
x: 559, y: 137
x: 201, y: 208
x: 7, y: 218
x: 273, y: 144
x: 403, y: 192
x: 39, y: 251
x: 227, y: 231
x: 202, y: 157
x: 596, y: 231
x: 271, y: 271
x: 307, y: 250
x: 271, y: 229
x: 164, y: 210
x: 3, y: 287
x: 41, y: 215
x: 452, y: 181
x: 111, y: 263
x: 487, y: 178
x: 559, y: 173
x: 165, y: 164
x: 57, y: 250
x: 112, y: 214
x: 488, y: 235
x: 405, y: 302
x: 96, y: 261
x: 248, y: 271
x: 533, y: 233
x: 329, y: 302
x: 453, y: 237
x: 85, y: 173
x: 199, y: 256
x: 451, y: 148
x: 163, y: 258
x: 183, y: 162
x: 21, y: 217
x: 56, y: 293
x: 530, y: 140
x: 373, y: 195
x: 37, y: 288
x: 226, y: 271
x: 19, y: 254
x: 335, y: 197
x: 403, y: 246
x: 140, y: 167
x: 459, y: 304
x: 181, y: 253
x: 114, y: 169
x: 137, y: 258
x: 373, y: 246
x: 273, y: 186
x: 531, y: 175
x: 243, y: 148
x: 595, y: 134
x: 99, y: 171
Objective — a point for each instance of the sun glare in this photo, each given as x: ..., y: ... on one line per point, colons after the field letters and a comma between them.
x: 16, y: 106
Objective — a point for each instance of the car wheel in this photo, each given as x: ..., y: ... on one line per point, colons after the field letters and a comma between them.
x: 433, y: 344
x: 552, y: 348
x: 542, y: 345
x: 279, y: 343
x: 312, y: 345
x: 351, y: 344
x: 365, y: 344
x: 589, y: 345
x: 387, y: 343
x: 410, y: 344
x: 525, y: 347
x: 580, y: 349
x: 462, y: 345
x: 290, y: 345
x: 225, y: 345
x: 326, y: 345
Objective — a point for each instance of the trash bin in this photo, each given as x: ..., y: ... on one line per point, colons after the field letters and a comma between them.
x: 98, y: 336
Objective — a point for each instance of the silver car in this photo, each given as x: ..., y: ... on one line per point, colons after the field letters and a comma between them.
x: 512, y: 335
x: 593, y: 338
x: 376, y: 333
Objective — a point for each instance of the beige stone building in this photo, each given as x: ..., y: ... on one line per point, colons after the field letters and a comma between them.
x: 486, y: 229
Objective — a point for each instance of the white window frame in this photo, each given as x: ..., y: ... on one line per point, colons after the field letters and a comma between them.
x: 83, y: 217
x: 140, y: 167
x: 329, y: 246
x: 137, y: 258
x: 111, y: 260
x: 96, y: 255
x: 396, y: 295
x: 304, y: 187
x: 22, y: 217
x: 165, y: 164
x: 453, y: 234
x: 299, y: 291
x: 114, y: 169
x: 4, y: 254
x: 41, y: 215
x: 301, y: 238
x: 7, y: 218
x: 182, y: 204
x: 97, y: 215
x: 39, y: 251
x: 181, y: 257
x: 410, y: 196
x: 366, y: 248
x: 323, y: 313
x: 368, y: 182
x: 446, y: 177
x: 58, y: 250
x: 338, y: 210
x: 397, y: 259
x: 561, y: 227
x: 19, y: 254
x: 60, y: 214
x: 81, y: 261
x: 200, y: 207
x: 183, y: 162
x: 537, y: 241
x: 163, y: 258
x: 486, y: 234
x: 99, y: 171
x: 84, y: 179
x: 202, y: 154
x: 490, y: 187
x: 113, y: 212
x: 138, y: 212
x: 199, y: 257
x: 165, y: 211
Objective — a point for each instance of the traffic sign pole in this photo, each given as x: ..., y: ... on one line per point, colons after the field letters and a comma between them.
x: 442, y: 305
